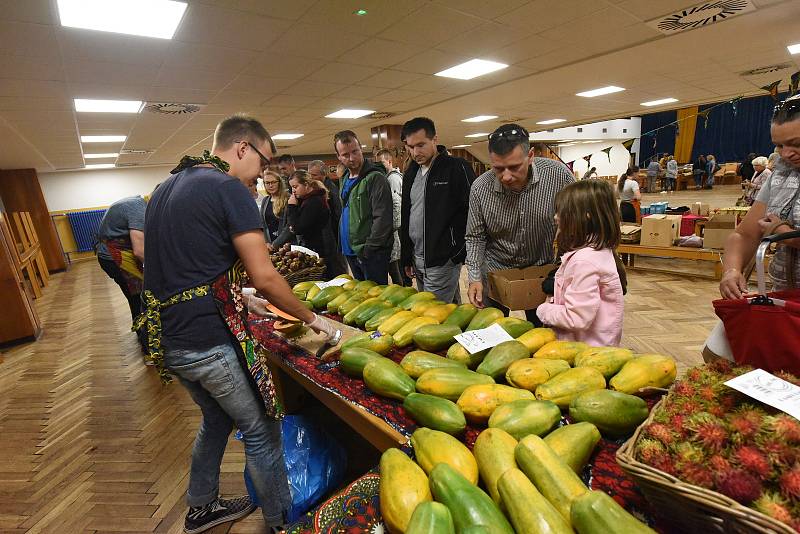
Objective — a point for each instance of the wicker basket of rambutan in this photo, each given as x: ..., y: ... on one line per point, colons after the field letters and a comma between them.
x: 710, y: 459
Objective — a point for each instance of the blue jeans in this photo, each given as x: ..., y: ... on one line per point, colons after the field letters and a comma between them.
x: 219, y: 385
x: 375, y: 267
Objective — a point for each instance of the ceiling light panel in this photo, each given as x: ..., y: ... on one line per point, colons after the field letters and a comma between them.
x: 101, y: 156
x: 794, y: 49
x: 659, y: 102
x: 601, y: 91
x: 480, y: 118
x: 350, y: 113
x: 103, y: 138
x: 552, y: 121
x: 481, y: 134
x: 460, y: 146
x: 88, y: 105
x: 100, y: 166
x: 471, y: 69
x: 287, y: 136
x: 146, y: 18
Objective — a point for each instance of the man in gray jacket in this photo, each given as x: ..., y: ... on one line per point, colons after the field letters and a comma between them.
x: 395, y: 179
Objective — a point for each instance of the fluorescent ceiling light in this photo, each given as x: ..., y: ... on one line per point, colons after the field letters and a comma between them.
x: 794, y: 49
x: 460, y: 146
x: 659, y: 102
x: 280, y: 137
x: 350, y: 113
x: 480, y: 118
x: 552, y: 121
x: 100, y: 166
x: 103, y: 138
x: 471, y: 69
x: 107, y: 106
x: 481, y: 134
x: 101, y: 156
x: 602, y: 91
x: 147, y: 18
x: 590, y: 141
x: 568, y: 144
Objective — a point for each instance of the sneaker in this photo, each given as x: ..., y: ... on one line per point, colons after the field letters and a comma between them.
x: 202, y: 518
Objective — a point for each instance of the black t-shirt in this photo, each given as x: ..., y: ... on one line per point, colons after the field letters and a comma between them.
x: 190, y: 221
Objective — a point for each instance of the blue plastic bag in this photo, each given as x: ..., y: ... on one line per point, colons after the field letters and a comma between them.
x: 315, y: 464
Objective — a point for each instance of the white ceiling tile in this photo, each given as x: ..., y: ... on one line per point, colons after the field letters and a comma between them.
x: 482, y: 8
x: 18, y: 103
x: 291, y: 100
x: 478, y: 42
x: 280, y: 9
x: 106, y: 91
x: 391, y: 79
x: 223, y: 60
x: 105, y: 121
x: 35, y: 11
x: 648, y: 10
x: 212, y: 25
x: 318, y: 89
x: 327, y: 43
x: 398, y: 95
x: 104, y: 46
x: 260, y: 84
x: 241, y: 98
x: 183, y: 95
x: 33, y: 88
x: 30, y: 68
x: 535, y: 17
x: 344, y: 73
x: 272, y: 65
x: 596, y: 25
x: 192, y: 79
x: 32, y: 40
x: 435, y: 22
x: 380, y: 14
x: 83, y: 71
x: 383, y: 53
x: 432, y: 62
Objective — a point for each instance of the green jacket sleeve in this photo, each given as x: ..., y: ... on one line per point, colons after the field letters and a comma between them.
x: 380, y: 197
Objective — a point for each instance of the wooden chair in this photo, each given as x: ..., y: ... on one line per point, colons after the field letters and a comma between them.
x: 25, y: 254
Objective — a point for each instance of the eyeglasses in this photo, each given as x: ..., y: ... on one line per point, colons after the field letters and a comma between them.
x: 271, y: 182
x: 516, y: 133
x: 788, y: 107
x: 265, y: 161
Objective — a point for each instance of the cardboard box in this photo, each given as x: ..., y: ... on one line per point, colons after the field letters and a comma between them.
x: 678, y: 219
x: 701, y: 209
x: 659, y: 230
x: 717, y: 230
x: 519, y: 289
x: 631, y: 233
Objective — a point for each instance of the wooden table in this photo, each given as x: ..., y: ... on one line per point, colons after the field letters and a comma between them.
x: 629, y: 253
x: 290, y: 385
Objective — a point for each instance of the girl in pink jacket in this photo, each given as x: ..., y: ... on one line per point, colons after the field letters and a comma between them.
x: 588, y: 302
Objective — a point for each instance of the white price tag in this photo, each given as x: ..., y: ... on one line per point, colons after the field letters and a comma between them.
x: 332, y: 283
x: 304, y: 250
x: 478, y: 340
x: 769, y: 389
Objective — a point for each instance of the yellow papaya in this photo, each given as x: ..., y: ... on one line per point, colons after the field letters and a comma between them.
x: 405, y: 335
x: 530, y: 373
x: 648, y: 370
x: 478, y: 402
x: 432, y: 447
x: 561, y: 350
x: 565, y: 386
x: 403, y: 486
x: 537, y: 338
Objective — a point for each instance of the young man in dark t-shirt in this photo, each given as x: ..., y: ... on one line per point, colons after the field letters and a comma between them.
x: 198, y: 223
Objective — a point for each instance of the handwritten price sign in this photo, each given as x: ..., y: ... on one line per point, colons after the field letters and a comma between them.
x: 478, y: 340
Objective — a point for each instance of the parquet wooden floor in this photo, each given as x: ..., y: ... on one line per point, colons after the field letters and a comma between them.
x: 91, y: 442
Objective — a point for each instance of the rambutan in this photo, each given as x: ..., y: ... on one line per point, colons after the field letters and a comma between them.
x: 689, y: 407
x: 780, y: 454
x: 660, y: 432
x: 788, y: 377
x: 790, y: 483
x: 739, y: 485
x: 774, y: 506
x: 708, y: 393
x: 753, y: 461
x: 663, y: 462
x: 694, y: 374
x: 687, y: 453
x: 696, y: 474
x: 709, y: 431
x: 683, y: 389
x: 717, y: 411
x: 745, y: 423
x: 786, y: 428
x: 719, y: 463
x: 721, y: 366
x: 647, y: 449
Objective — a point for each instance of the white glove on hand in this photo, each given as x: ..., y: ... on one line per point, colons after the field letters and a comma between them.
x: 321, y: 325
x: 256, y: 305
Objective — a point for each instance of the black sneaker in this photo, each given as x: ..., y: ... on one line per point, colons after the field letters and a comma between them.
x: 202, y: 518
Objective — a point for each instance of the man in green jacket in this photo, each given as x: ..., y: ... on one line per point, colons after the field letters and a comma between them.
x: 366, y: 225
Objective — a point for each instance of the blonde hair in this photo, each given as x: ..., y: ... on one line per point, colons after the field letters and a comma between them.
x: 304, y: 178
x: 279, y: 199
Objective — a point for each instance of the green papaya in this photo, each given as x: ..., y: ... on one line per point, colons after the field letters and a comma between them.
x: 484, y: 318
x: 375, y: 321
x: 435, y: 412
x: 387, y: 379
x: 417, y: 362
x: 461, y: 316
x: 523, y: 417
x: 352, y: 360
x: 375, y: 341
x: 515, y: 327
x: 321, y: 299
x: 458, y: 353
x: 500, y: 357
x: 435, y: 337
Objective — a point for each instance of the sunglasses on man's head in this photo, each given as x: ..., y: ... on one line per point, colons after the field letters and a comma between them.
x: 516, y: 133
x: 788, y: 108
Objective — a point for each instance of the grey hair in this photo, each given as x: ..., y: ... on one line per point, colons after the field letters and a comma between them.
x: 760, y: 160
x: 316, y: 163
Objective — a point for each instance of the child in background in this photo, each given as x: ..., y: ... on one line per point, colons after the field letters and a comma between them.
x: 588, y: 300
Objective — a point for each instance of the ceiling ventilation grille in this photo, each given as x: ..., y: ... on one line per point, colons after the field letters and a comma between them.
x: 766, y: 70
x: 381, y: 115
x: 171, y: 108
x: 701, y: 15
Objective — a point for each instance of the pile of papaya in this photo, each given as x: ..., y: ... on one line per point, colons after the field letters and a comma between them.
x: 503, y: 486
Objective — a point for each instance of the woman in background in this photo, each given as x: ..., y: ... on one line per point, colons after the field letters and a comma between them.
x: 273, y: 210
x: 762, y: 174
x: 629, y: 196
x: 699, y: 171
x: 309, y: 216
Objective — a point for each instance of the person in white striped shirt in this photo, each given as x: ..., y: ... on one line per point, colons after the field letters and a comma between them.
x: 511, y: 209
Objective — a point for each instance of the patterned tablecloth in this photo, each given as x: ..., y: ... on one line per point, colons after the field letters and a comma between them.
x: 355, y: 509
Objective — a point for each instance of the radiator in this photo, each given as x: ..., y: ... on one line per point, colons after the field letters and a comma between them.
x: 85, y: 225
